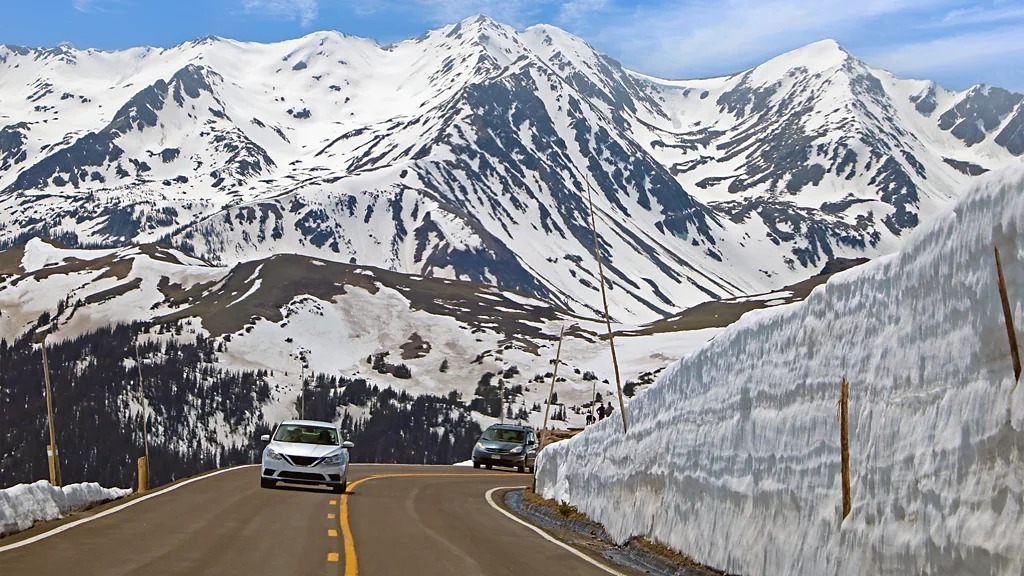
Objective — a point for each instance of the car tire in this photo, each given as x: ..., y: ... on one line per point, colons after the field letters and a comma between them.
x: 488, y: 466
x: 520, y: 468
x: 476, y: 464
x: 340, y: 488
x: 265, y: 483
x: 530, y: 469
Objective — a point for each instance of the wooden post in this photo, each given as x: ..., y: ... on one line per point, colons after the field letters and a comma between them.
x: 551, y: 391
x: 607, y: 316
x: 143, y: 473
x: 302, y: 393
x: 1008, y: 315
x: 144, y: 460
x: 52, y: 456
x: 844, y: 440
x: 501, y: 400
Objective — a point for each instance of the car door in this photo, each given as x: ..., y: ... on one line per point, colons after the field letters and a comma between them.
x: 531, y: 449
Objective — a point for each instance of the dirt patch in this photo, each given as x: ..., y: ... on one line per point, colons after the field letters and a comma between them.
x: 415, y: 348
x: 721, y: 313
x: 119, y: 290
x: 10, y: 261
x: 285, y: 277
x: 572, y: 526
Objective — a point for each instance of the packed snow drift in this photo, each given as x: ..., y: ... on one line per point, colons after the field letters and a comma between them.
x: 733, y: 456
x: 23, y: 505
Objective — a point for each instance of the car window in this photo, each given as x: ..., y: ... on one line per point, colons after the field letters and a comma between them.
x: 501, y: 435
x: 300, y: 434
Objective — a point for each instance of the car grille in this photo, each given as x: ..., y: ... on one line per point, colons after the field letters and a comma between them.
x: 496, y: 450
x: 301, y: 476
x: 302, y: 460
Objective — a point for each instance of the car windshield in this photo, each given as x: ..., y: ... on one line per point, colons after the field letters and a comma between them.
x: 307, y: 434
x: 500, y: 435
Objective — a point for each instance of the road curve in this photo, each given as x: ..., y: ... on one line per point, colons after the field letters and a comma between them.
x: 394, y: 520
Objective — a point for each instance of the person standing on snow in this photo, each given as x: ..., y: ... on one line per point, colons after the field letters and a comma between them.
x: 600, y: 411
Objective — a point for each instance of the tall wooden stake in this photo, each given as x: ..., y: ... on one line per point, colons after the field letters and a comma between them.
x: 302, y: 393
x: 52, y: 456
x: 607, y: 316
x: 551, y: 391
x: 1008, y: 315
x: 144, y: 461
x: 501, y: 400
x: 844, y: 441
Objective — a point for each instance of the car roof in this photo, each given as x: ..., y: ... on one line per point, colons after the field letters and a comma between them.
x: 509, y: 427
x: 309, y: 423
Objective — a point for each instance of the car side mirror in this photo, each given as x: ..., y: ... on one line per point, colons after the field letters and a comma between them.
x: 265, y: 438
x: 347, y: 444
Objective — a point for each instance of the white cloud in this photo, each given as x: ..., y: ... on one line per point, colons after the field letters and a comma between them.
x: 988, y: 56
x: 305, y: 11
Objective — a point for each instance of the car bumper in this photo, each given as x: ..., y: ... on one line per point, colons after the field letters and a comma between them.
x: 496, y: 459
x: 316, y: 475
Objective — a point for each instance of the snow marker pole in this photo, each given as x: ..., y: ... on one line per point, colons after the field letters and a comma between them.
x: 51, y: 452
x: 554, y: 374
x: 844, y: 440
x: 1008, y: 315
x: 144, y: 460
x: 607, y: 316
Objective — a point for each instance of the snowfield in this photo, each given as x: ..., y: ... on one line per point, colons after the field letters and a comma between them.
x: 23, y: 505
x: 733, y: 455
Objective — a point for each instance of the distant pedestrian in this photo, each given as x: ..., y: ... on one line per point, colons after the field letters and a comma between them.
x: 590, y: 419
x: 608, y: 410
x: 600, y: 411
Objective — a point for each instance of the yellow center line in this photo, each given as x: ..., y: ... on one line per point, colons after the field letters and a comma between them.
x: 332, y: 533
x: 351, y: 561
x: 332, y: 557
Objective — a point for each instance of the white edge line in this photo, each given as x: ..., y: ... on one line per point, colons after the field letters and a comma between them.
x: 115, y: 509
x: 546, y: 536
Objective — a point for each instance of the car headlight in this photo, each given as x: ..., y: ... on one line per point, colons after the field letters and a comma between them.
x: 479, y: 447
x: 272, y: 454
x: 516, y: 450
x: 333, y: 460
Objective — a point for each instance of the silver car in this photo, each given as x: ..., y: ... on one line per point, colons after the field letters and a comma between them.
x: 306, y: 452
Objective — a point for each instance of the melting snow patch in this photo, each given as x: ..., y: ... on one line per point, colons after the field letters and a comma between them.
x: 23, y: 505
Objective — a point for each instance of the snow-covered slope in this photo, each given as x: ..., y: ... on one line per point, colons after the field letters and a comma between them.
x: 466, y: 153
x: 733, y: 455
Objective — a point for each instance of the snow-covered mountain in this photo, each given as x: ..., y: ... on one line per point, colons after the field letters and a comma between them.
x: 467, y: 153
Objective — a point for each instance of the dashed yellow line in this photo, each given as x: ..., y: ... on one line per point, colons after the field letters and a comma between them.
x: 332, y: 557
x: 332, y: 533
x: 351, y: 560
x: 330, y: 516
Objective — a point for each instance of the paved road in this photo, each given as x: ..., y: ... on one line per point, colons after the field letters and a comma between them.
x: 394, y: 520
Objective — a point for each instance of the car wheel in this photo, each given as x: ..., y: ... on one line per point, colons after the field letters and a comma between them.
x: 520, y: 468
x: 488, y: 466
x: 530, y: 469
x: 264, y: 483
x: 340, y: 488
x: 476, y: 464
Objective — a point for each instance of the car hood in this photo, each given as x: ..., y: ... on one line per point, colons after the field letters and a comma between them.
x: 301, y: 449
x: 499, y: 445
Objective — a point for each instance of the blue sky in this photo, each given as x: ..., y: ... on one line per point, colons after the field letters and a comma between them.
x: 956, y: 42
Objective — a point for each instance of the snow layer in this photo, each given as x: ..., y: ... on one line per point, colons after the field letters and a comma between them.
x: 23, y: 505
x: 733, y: 455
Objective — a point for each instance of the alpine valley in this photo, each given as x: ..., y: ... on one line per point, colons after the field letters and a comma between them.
x: 409, y: 227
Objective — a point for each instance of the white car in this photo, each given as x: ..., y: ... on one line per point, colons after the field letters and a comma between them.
x: 306, y: 452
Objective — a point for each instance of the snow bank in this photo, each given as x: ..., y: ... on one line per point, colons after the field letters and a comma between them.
x: 25, y: 504
x: 733, y: 456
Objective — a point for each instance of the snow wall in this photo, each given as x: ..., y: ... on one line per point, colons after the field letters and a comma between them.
x: 23, y: 505
x: 733, y: 456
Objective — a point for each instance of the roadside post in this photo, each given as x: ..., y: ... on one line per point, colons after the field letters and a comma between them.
x: 52, y: 456
x: 144, y: 459
x: 551, y: 391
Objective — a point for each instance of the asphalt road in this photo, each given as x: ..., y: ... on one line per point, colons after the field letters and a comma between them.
x: 394, y: 520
